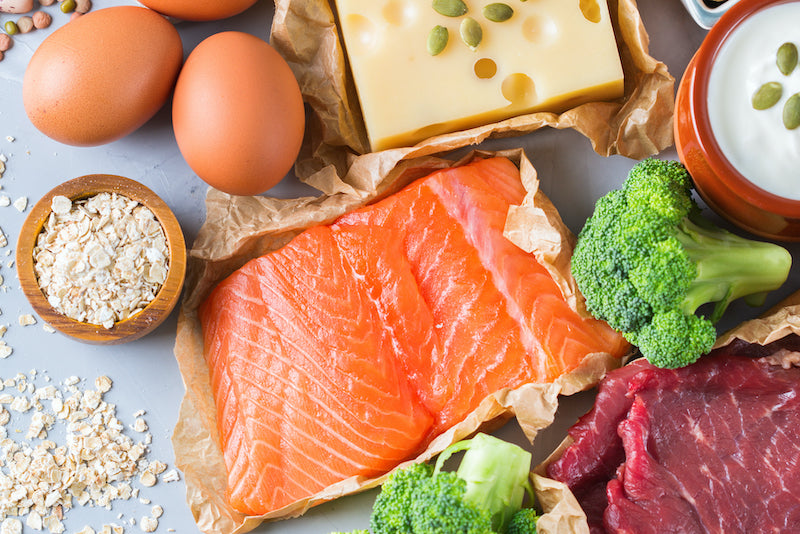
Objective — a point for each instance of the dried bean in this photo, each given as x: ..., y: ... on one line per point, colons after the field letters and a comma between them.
x: 6, y: 42
x: 42, y: 19
x: 25, y: 24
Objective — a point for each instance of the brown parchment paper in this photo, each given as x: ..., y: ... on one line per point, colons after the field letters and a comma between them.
x: 563, y: 514
x: 636, y: 125
x: 240, y: 228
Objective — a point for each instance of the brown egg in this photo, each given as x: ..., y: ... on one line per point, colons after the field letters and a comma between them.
x: 199, y: 9
x: 100, y: 77
x: 238, y: 113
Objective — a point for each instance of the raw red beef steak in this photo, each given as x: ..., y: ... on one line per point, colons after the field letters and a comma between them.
x: 713, y: 447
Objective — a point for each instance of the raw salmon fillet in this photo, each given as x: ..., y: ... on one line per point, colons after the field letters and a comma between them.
x: 346, y: 351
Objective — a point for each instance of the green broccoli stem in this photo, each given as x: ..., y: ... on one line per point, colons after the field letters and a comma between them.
x: 730, y: 267
x: 497, y: 475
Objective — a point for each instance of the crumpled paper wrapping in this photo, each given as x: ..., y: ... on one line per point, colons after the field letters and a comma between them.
x: 335, y: 159
x: 240, y: 228
x: 304, y: 31
x: 563, y: 513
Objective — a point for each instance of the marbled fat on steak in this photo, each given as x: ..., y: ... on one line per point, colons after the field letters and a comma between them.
x: 713, y: 447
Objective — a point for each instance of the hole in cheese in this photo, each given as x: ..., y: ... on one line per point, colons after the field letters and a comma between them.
x: 590, y: 10
x: 485, y: 68
x: 519, y: 89
x: 539, y: 29
x: 431, y: 130
x: 364, y: 32
x: 399, y: 12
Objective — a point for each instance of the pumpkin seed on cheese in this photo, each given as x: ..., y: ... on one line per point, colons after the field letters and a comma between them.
x: 547, y: 55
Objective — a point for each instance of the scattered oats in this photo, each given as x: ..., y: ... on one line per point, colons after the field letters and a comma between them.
x: 9, y: 263
x: 102, y: 383
x: 20, y: 404
x: 53, y: 524
x: 157, y: 467
x: 100, y: 260
x: 4, y: 201
x: 40, y: 423
x: 10, y: 138
x: 3, y: 240
x: 3, y: 158
x: 27, y: 319
x: 140, y: 425
x: 34, y: 520
x: 5, y: 350
x: 157, y: 511
x: 144, y: 500
x: 170, y: 530
x: 148, y: 524
x: 71, y: 381
x: 1, y: 279
x: 21, y: 203
x: 139, y: 413
x: 47, y: 328
x: 12, y: 526
x: 86, y: 530
x: 148, y: 438
x: 148, y: 479
x: 95, y: 465
x: 171, y: 476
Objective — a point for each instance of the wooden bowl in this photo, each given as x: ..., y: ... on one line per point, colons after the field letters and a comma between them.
x: 136, y: 325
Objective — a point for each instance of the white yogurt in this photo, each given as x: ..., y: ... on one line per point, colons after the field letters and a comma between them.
x: 755, y: 141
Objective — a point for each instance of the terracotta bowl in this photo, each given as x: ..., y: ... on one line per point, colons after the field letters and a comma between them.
x: 136, y: 325
x: 723, y: 188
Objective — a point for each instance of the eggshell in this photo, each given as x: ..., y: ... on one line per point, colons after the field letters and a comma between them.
x: 100, y: 77
x: 198, y: 10
x: 238, y: 113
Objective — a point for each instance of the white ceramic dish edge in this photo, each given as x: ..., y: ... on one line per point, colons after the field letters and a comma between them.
x: 704, y: 15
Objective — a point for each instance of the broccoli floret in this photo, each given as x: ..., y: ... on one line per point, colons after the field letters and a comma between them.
x: 390, y: 513
x: 441, y: 507
x: 523, y: 522
x: 480, y: 497
x: 647, y: 260
x: 673, y: 337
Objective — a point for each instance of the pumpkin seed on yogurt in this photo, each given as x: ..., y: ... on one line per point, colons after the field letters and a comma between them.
x: 767, y: 95
x: 786, y: 58
x: 791, y: 112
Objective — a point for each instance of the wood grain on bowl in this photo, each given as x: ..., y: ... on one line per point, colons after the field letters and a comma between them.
x: 136, y: 325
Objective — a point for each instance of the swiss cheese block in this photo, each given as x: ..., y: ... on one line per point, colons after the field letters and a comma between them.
x: 550, y: 55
